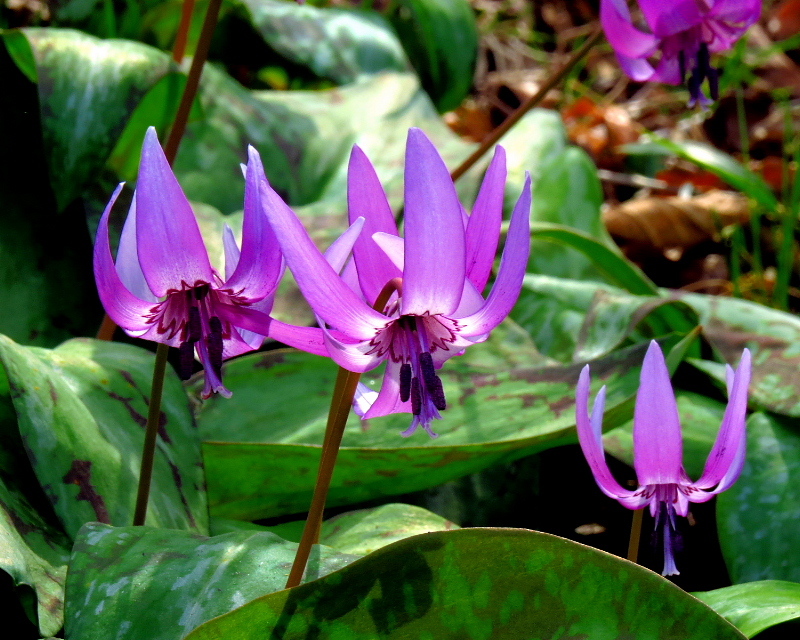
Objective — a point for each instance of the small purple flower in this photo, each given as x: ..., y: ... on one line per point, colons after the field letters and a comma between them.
x: 658, y: 447
x: 163, y: 287
x: 682, y: 36
x: 441, y: 266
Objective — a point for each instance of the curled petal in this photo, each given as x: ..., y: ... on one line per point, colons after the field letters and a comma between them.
x: 506, y: 288
x: 590, y: 436
x: 367, y: 199
x: 171, y: 249
x: 363, y: 399
x: 666, y: 18
x: 349, y: 354
x: 726, y: 459
x: 121, y: 305
x: 341, y: 248
x: 658, y: 447
x: 626, y: 39
x: 260, y: 265
x: 483, y: 226
x: 128, y: 267
x: 329, y: 297
x: 435, y: 267
x: 388, y: 399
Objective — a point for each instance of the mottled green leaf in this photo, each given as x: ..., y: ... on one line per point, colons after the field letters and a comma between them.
x: 755, y: 606
x: 573, y: 320
x: 335, y: 43
x: 136, y: 583
x: 81, y: 410
x: 715, y: 161
x: 281, y: 401
x: 772, y: 336
x: 757, y: 517
x: 88, y: 88
x: 478, y: 583
x: 701, y: 418
x: 441, y: 39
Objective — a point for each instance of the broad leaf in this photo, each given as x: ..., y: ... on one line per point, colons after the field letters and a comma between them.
x: 478, y: 583
x: 81, y: 410
x: 757, y: 517
x: 496, y: 412
x: 755, y: 606
x: 137, y: 583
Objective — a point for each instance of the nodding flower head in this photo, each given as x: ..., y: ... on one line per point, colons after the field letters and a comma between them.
x: 426, y: 285
x: 664, y: 485
x: 163, y: 287
x: 680, y: 37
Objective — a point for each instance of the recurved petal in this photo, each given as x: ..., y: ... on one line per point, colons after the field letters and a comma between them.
x: 623, y: 36
x: 128, y: 267
x: 366, y: 199
x: 171, y: 249
x: 388, y: 400
x: 657, y: 443
x: 508, y: 284
x: 726, y: 459
x: 590, y: 436
x: 260, y: 265
x: 669, y: 18
x: 121, y: 305
x: 341, y: 248
x: 328, y: 295
x: 483, y: 227
x: 435, y: 265
x: 349, y: 354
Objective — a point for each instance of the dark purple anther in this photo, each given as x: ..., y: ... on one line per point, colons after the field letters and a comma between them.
x: 405, y: 382
x: 215, y: 345
x: 416, y: 397
x: 432, y: 382
x: 194, y: 327
x: 186, y: 361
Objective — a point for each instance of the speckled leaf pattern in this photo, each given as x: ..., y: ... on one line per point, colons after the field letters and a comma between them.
x: 88, y: 88
x: 334, y: 43
x: 281, y: 401
x: 573, y: 321
x: 81, y: 410
x: 478, y: 584
x: 137, y: 583
x: 757, y: 517
x: 772, y: 336
x: 755, y: 606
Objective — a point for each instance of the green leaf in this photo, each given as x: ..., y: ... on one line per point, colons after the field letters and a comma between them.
x: 441, y: 39
x: 337, y: 44
x: 573, y: 321
x: 478, y: 583
x: 715, y: 161
x: 20, y: 50
x: 496, y: 412
x: 81, y: 410
x: 701, y: 418
x: 772, y: 336
x: 755, y: 606
x: 137, y: 583
x: 757, y: 517
x: 88, y: 88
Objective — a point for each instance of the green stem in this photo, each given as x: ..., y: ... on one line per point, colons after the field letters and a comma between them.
x: 755, y: 217
x: 529, y: 104
x: 182, y: 37
x: 786, y: 251
x: 150, y: 434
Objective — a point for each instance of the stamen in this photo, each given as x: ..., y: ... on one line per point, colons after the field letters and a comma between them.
x: 194, y: 327
x: 186, y: 361
x: 201, y: 291
x: 432, y: 382
x: 405, y: 382
x: 416, y: 397
x: 215, y: 345
x: 682, y: 63
x: 713, y: 83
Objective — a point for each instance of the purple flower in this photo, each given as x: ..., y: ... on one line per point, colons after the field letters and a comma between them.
x: 163, y: 287
x: 682, y: 35
x: 658, y: 448
x: 438, y: 269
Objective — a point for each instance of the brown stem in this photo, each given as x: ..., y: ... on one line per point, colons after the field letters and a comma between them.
x: 342, y: 400
x: 150, y: 434
x: 636, y: 534
x: 529, y: 104
x: 179, y: 50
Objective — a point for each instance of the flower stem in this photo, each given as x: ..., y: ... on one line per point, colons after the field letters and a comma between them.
x: 636, y: 534
x: 342, y: 400
x: 182, y: 37
x: 150, y: 434
x: 529, y: 104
